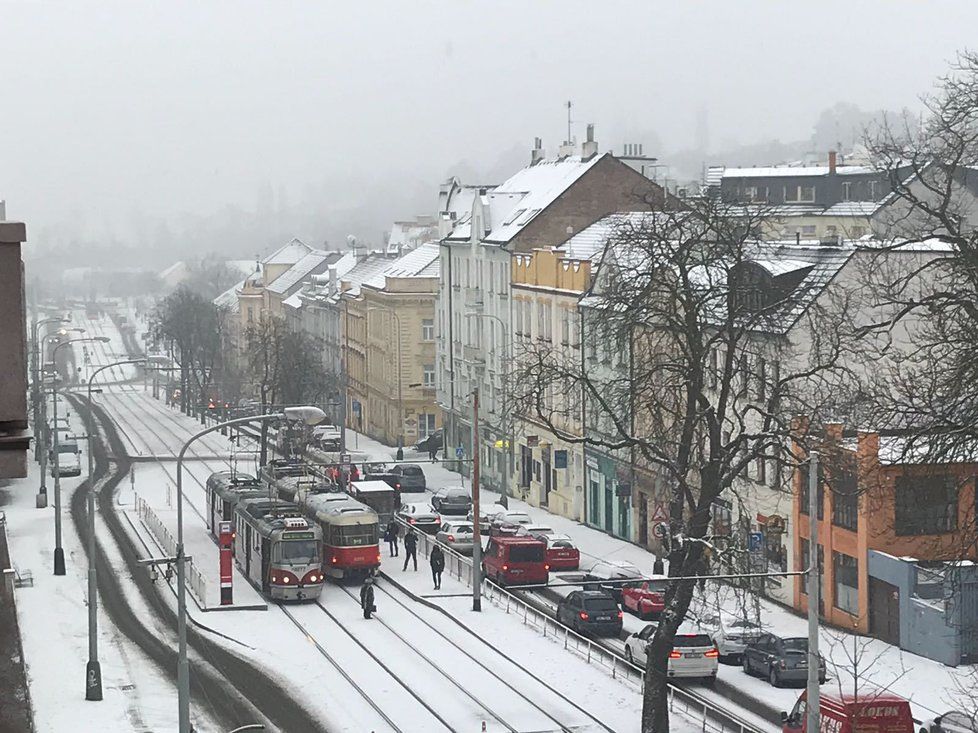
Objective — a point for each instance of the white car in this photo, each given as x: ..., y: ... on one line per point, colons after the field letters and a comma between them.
x: 535, y: 530
x: 731, y: 634
x: 952, y: 722
x: 457, y: 534
x: 693, y: 653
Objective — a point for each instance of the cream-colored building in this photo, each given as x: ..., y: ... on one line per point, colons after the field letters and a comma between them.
x: 546, y: 285
x: 395, y: 324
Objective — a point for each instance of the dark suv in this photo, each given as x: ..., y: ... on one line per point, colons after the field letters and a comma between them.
x: 452, y: 500
x: 590, y: 612
x: 410, y: 478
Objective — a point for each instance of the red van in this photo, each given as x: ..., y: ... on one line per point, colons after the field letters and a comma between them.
x: 516, y: 560
x: 881, y: 712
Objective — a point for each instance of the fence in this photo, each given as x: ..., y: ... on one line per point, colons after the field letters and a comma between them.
x: 197, y: 583
x: 708, y: 715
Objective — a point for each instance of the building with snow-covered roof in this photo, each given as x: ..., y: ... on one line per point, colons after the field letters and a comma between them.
x: 540, y: 206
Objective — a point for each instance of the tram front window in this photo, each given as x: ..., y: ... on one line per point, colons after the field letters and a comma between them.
x: 296, y: 551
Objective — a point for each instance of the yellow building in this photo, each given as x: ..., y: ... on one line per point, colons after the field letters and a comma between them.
x: 399, y: 308
x: 546, y: 286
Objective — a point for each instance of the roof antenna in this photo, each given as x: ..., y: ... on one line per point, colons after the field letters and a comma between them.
x: 569, y: 105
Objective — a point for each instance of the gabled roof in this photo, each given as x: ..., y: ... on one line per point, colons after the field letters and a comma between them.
x: 288, y: 254
x: 294, y: 276
x: 368, y: 268
x: 521, y: 198
x: 229, y: 298
x: 419, y: 262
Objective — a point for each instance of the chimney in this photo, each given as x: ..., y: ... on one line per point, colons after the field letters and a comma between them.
x: 566, y: 149
x: 3, y: 210
x: 589, y: 148
x: 831, y: 162
x: 536, y: 155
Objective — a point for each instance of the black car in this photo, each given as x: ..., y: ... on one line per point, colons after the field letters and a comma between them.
x: 432, y: 441
x: 410, y: 478
x: 780, y: 659
x: 391, y: 479
x: 590, y: 612
x: 452, y: 500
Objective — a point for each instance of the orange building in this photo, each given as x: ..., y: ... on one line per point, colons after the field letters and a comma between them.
x: 874, y: 495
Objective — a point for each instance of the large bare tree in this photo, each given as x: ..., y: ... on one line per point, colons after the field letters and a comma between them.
x: 700, y: 346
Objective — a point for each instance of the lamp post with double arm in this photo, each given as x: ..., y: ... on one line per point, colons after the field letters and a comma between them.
x: 59, y: 553
x: 36, y: 382
x: 309, y: 415
x: 93, y: 670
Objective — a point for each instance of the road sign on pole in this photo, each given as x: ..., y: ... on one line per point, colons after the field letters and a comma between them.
x: 660, y: 530
x: 659, y: 514
x: 459, y: 452
x: 755, y: 542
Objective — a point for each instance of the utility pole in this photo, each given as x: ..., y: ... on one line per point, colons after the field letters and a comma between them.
x: 814, y: 583
x: 476, y: 529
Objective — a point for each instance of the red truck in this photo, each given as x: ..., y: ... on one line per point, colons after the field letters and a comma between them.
x: 880, y: 712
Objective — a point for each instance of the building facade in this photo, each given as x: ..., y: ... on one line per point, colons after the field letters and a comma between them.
x: 14, y: 437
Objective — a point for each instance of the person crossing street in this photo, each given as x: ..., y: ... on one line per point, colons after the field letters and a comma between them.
x: 410, y: 548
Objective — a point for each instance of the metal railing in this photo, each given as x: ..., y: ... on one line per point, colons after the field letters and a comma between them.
x: 197, y: 582
x: 704, y: 712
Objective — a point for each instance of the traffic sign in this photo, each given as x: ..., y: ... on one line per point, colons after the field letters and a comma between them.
x: 345, y: 458
x: 755, y: 542
x: 660, y: 530
x: 659, y: 514
x: 459, y: 452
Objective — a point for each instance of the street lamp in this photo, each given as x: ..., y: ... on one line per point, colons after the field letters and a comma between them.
x: 93, y: 670
x: 400, y: 400
x: 36, y: 391
x: 59, y: 553
x: 307, y: 414
x: 42, y: 496
x: 507, y: 428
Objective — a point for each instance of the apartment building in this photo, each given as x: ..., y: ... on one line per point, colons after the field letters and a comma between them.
x: 14, y: 436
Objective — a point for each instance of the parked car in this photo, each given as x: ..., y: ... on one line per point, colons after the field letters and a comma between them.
x: 646, y: 598
x: 731, y: 634
x: 591, y: 612
x: 877, y: 711
x: 485, y: 518
x: 432, y: 441
x: 420, y: 516
x: 452, y: 500
x: 69, y: 460
x: 457, y: 534
x: 535, y: 530
x: 410, y: 477
x: 951, y: 722
x: 780, y: 659
x: 391, y: 479
x: 508, y: 522
x: 516, y: 560
x: 693, y: 652
x: 611, y: 575
x: 561, y: 553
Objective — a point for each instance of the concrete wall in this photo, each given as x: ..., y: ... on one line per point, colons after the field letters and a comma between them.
x: 926, y: 627
x: 14, y: 440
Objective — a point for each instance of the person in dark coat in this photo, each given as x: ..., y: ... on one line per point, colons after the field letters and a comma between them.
x: 391, y: 534
x: 367, y: 597
x: 437, y: 561
x: 410, y: 548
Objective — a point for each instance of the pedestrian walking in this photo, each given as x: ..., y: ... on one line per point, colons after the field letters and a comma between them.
x: 391, y: 534
x: 410, y: 548
x: 433, y: 455
x: 367, y: 597
x: 437, y: 561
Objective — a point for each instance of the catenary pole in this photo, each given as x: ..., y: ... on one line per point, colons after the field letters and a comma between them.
x: 814, y: 583
x: 476, y: 529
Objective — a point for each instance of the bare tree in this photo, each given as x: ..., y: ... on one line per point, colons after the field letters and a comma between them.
x: 692, y: 366
x: 284, y: 367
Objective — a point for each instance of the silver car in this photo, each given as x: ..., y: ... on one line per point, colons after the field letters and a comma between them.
x: 457, y: 535
x: 732, y: 635
x: 693, y: 653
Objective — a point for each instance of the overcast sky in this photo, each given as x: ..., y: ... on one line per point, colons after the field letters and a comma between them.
x: 116, y: 111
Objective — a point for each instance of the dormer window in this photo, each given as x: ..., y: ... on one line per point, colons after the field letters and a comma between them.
x: 748, y: 285
x: 798, y: 194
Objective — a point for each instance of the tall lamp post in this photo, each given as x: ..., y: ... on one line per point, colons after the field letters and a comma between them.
x: 308, y: 415
x: 36, y: 391
x: 59, y: 553
x: 507, y: 421
x: 41, y: 425
x: 400, y: 398
x: 93, y: 670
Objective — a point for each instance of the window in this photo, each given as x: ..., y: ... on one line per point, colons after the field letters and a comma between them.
x: 926, y: 505
x: 873, y: 190
x: 760, y: 462
x: 761, y: 379
x: 565, y: 326
x: 846, y: 572
x: 803, y: 470
x: 858, y: 232
x: 721, y: 517
x: 808, y: 230
x: 756, y: 194
x: 845, y: 491
x: 794, y: 193
x: 428, y: 329
x: 251, y: 314
x: 806, y: 194
x: 847, y: 191
x: 428, y: 378
x: 516, y: 215
x: 426, y: 424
